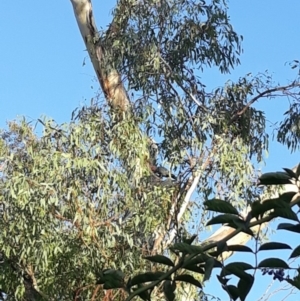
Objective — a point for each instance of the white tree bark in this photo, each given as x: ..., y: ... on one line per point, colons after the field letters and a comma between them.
x: 108, y: 77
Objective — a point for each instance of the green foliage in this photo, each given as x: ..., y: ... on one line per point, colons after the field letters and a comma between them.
x: 69, y: 209
x: 198, y: 256
x: 82, y: 214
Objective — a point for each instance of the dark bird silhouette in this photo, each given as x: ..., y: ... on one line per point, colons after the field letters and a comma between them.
x: 162, y: 172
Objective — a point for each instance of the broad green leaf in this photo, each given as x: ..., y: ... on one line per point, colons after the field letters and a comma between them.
x: 169, y: 288
x: 273, y: 263
x: 223, y: 219
x: 290, y: 172
x: 194, y: 268
x: 233, y: 292
x: 274, y: 178
x: 244, y: 286
x: 221, y: 206
x: 189, y: 279
x: 237, y: 268
x: 160, y: 259
x: 289, y: 227
x: 287, y: 213
x: 209, y: 265
x: 199, y: 259
x: 295, y: 253
x: 239, y: 248
x: 273, y: 246
x: 146, y: 277
x: 294, y: 282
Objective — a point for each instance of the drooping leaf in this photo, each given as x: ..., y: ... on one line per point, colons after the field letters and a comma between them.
x: 233, y: 291
x: 209, y: 265
x: 189, y: 279
x: 169, y: 288
x: 295, y: 253
x: 244, y: 286
x: 273, y: 246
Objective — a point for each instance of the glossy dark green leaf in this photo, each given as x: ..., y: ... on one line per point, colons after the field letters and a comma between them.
x: 298, y: 171
x: 290, y: 172
x: 289, y: 227
x: 189, y: 279
x: 287, y: 196
x: 233, y: 292
x: 160, y: 259
x: 199, y: 259
x: 273, y: 246
x: 221, y: 206
x: 223, y: 219
x: 294, y: 282
x: 209, y: 265
x: 273, y: 263
x: 287, y: 213
x: 237, y: 268
x: 295, y: 253
x: 194, y: 268
x: 169, y: 288
x: 274, y: 178
x: 244, y: 286
x: 239, y: 248
x: 146, y: 277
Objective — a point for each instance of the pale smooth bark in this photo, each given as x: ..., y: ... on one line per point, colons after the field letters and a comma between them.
x: 109, y: 78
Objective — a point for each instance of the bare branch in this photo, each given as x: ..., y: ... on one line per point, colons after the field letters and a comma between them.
x: 265, y: 93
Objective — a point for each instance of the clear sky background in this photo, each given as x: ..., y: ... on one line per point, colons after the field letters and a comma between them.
x: 42, y: 72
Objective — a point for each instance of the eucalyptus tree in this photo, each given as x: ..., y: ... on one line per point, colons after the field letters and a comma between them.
x: 129, y: 173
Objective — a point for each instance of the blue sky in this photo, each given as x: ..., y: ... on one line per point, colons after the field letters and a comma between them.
x: 42, y: 54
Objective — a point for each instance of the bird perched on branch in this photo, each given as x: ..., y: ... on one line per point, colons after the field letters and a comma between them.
x: 162, y: 172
